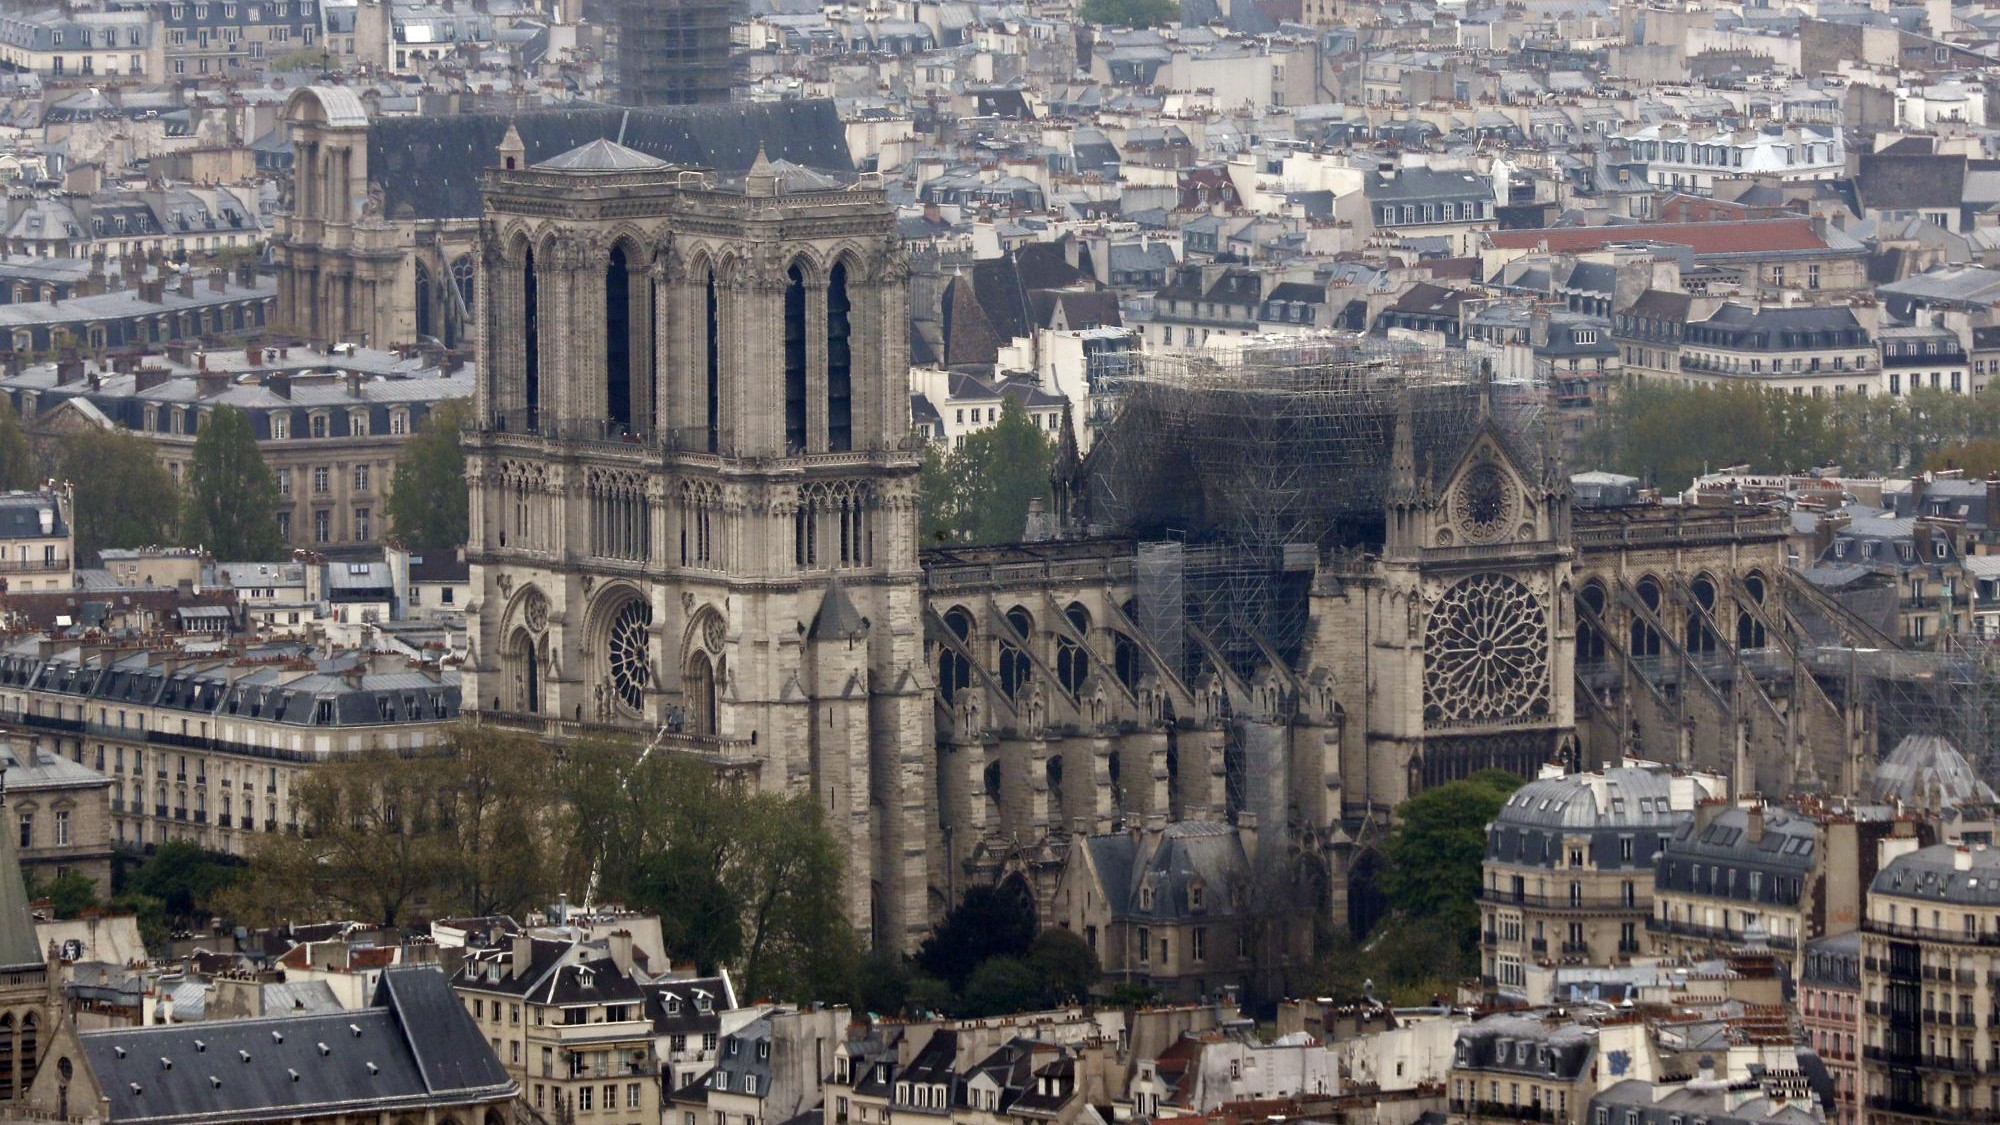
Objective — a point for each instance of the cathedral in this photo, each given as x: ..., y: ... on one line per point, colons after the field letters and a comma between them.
x: 694, y: 522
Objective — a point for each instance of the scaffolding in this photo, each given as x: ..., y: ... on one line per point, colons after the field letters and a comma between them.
x: 1951, y: 692
x: 672, y: 52
x: 1255, y: 458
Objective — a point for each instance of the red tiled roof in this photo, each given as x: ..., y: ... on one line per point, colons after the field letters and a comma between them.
x: 1742, y: 236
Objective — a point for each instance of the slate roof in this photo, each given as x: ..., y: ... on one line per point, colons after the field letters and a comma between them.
x: 1758, y: 236
x: 1948, y: 873
x: 1900, y: 182
x: 21, y: 515
x: 414, y: 1048
x: 430, y: 167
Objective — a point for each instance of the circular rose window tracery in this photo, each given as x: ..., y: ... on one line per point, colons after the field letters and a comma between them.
x: 1486, y: 653
x: 1484, y: 505
x: 628, y: 649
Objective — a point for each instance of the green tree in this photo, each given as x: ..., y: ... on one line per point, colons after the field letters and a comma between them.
x: 232, y: 499
x: 1435, y: 851
x: 988, y: 922
x: 69, y: 894
x: 752, y: 880
x: 1979, y: 457
x: 1129, y: 13
x: 17, y: 464
x: 1000, y: 986
x: 1065, y: 964
x: 428, y: 503
x: 475, y: 827
x: 374, y: 838
x: 123, y: 497
x: 979, y: 494
x: 187, y: 881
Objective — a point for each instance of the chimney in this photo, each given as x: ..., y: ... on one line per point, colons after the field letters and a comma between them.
x: 146, y: 378
x: 524, y: 952
x: 621, y: 950
x: 218, y: 280
x: 208, y: 384
x: 187, y: 283
x: 151, y: 290
x: 1961, y: 858
x: 68, y: 371
x: 1755, y: 823
x: 279, y: 384
x: 253, y: 354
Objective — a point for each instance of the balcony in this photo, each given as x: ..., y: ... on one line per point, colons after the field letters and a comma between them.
x: 1576, y: 949
x: 1561, y: 902
x: 1711, y: 933
x: 1461, y: 1107
x: 1628, y: 948
x: 49, y: 722
x: 1940, y: 361
x: 1927, y: 933
x: 604, y: 1032
x: 1538, y: 945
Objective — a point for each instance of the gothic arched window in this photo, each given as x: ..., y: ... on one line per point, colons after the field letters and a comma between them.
x: 618, y: 340
x: 795, y: 362
x: 839, y: 363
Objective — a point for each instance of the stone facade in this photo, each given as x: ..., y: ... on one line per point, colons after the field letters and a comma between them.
x: 694, y: 486
x: 694, y: 498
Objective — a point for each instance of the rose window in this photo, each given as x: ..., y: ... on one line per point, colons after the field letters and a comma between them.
x: 1484, y: 505
x: 1486, y: 654
x: 627, y: 646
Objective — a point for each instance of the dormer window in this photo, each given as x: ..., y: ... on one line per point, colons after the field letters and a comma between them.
x: 1146, y: 898
x: 1197, y: 896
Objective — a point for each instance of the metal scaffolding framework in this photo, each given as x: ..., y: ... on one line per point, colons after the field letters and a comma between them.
x: 1254, y: 459
x: 672, y: 52
x: 1952, y: 692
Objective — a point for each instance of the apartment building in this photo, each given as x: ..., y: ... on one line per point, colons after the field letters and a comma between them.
x: 61, y: 810
x: 1568, y: 876
x: 1830, y: 1012
x: 209, y: 748
x: 330, y: 425
x: 56, y: 44
x: 567, y: 1018
x: 1930, y: 980
x: 1749, y: 874
x: 1530, y: 1067
x: 1806, y: 350
x: 37, y: 543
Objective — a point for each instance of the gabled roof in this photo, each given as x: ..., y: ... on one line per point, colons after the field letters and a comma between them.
x: 413, y: 1048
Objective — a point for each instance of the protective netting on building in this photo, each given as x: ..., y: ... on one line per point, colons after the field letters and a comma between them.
x: 1251, y: 461
x: 1285, y: 440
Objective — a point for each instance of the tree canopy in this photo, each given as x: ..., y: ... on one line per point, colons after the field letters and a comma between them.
x: 979, y: 493
x: 123, y: 497
x: 1668, y: 435
x: 1436, y: 849
x: 498, y: 823
x: 17, y: 463
x: 1129, y: 13
x: 428, y: 503
x: 232, y: 497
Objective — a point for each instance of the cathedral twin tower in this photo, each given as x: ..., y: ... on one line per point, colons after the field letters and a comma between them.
x: 694, y: 492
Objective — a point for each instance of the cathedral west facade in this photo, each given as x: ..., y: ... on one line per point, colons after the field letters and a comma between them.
x: 694, y: 519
